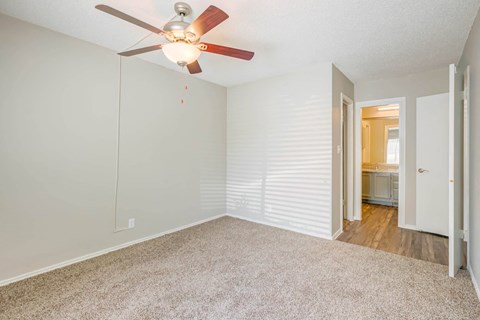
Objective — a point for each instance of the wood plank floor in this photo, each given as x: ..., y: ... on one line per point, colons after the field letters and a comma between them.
x: 379, y: 230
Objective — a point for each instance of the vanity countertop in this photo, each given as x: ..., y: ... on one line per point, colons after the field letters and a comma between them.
x: 382, y: 170
x: 379, y: 167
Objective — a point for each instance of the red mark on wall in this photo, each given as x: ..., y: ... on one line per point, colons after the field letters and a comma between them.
x: 182, y: 101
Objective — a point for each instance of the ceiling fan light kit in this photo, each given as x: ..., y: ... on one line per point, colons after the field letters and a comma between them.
x: 183, y: 47
x: 181, y: 53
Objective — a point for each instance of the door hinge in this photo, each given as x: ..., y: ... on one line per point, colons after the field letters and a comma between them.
x: 461, y: 234
x: 465, y: 235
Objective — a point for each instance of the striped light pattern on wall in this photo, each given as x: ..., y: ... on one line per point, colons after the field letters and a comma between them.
x: 279, y: 151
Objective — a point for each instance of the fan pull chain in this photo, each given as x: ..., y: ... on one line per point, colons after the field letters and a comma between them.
x: 117, y: 160
x: 139, y: 41
x: 182, y: 101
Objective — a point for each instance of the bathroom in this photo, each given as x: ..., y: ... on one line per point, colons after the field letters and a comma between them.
x: 380, y: 155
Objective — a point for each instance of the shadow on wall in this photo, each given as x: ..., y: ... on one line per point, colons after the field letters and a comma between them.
x: 279, y: 166
x: 212, y: 180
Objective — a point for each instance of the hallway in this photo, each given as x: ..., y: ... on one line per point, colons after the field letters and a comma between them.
x: 379, y: 230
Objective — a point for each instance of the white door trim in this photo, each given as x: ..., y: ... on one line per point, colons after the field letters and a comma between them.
x: 466, y: 159
x: 401, y: 101
x: 350, y: 158
x: 454, y: 263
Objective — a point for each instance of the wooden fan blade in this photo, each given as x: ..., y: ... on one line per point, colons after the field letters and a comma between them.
x: 194, y: 67
x: 208, y: 20
x: 133, y: 52
x: 126, y: 17
x: 226, y: 51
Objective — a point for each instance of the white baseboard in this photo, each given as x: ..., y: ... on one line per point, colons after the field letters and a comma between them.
x: 408, y: 226
x: 476, y: 285
x: 313, y: 234
x: 337, y: 234
x: 102, y: 252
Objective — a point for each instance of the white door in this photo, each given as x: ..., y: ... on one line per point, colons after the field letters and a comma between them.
x: 455, y: 198
x: 432, y: 163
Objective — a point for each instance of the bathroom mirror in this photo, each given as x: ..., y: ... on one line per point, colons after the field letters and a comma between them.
x: 380, y: 140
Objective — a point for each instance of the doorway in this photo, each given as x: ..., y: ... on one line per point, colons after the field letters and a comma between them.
x: 380, y: 155
x: 389, y: 189
x: 379, y: 179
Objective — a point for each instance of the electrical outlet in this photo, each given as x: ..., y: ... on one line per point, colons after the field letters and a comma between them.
x: 131, y: 223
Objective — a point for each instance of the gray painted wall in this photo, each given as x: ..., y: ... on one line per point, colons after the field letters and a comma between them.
x: 411, y: 87
x: 58, y: 111
x: 279, y: 154
x: 471, y: 56
x: 340, y: 84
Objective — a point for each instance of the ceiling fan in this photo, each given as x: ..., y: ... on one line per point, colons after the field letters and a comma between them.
x: 184, y: 46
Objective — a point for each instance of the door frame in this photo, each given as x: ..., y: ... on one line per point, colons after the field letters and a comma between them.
x: 459, y: 200
x: 350, y: 158
x: 466, y: 160
x: 401, y: 101
x: 454, y: 263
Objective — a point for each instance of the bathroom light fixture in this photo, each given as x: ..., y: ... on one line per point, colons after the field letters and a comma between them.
x: 388, y: 108
x: 181, y: 53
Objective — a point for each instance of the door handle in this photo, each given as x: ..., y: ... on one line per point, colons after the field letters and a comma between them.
x: 421, y: 170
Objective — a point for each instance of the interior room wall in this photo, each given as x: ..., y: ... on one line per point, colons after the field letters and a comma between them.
x: 58, y: 113
x: 340, y: 84
x: 378, y: 139
x: 373, y: 112
x: 279, y: 154
x: 410, y: 86
x: 471, y: 57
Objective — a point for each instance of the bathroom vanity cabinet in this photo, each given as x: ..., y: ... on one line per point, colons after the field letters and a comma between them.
x: 380, y: 188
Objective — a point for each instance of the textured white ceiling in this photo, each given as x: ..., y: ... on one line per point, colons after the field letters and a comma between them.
x: 366, y: 39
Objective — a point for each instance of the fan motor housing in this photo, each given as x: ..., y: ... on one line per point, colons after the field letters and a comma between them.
x: 174, y: 26
x: 175, y: 30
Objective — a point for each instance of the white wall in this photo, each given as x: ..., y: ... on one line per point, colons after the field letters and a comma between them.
x: 411, y: 87
x: 58, y: 111
x: 279, y: 154
x: 340, y: 84
x: 471, y: 56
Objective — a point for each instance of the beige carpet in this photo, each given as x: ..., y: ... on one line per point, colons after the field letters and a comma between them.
x: 232, y: 269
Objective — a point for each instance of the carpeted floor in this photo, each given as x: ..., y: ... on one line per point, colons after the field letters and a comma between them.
x: 233, y: 269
